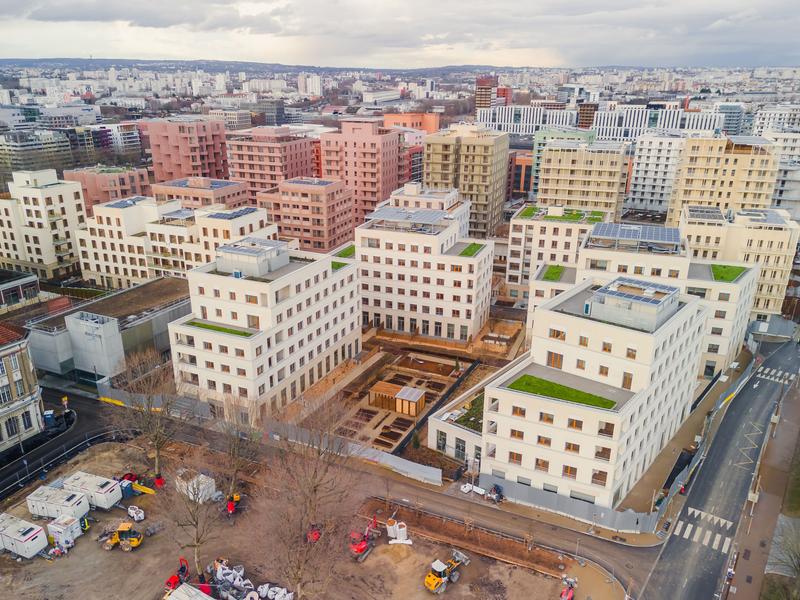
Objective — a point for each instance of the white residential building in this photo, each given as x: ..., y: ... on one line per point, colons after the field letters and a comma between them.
x: 787, y: 182
x: 628, y: 122
x: 609, y: 380
x: 655, y: 163
x: 524, y: 120
x: 39, y: 224
x: 776, y: 118
x: 266, y: 323
x: 419, y: 273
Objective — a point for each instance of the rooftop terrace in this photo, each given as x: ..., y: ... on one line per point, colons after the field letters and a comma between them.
x: 187, y: 182
x: 537, y: 213
x: 629, y: 237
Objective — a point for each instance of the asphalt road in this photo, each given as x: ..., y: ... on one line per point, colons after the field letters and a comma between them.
x: 694, y: 559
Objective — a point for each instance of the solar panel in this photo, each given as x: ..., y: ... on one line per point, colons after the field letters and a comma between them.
x: 637, y: 233
x: 183, y: 213
x: 421, y: 216
x: 233, y: 215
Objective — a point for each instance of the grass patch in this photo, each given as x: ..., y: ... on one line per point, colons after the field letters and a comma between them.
x: 596, y: 216
x: 553, y: 273
x: 348, y: 252
x: 473, y: 418
x: 220, y: 328
x: 336, y: 265
x: 536, y: 385
x: 528, y: 212
x: 471, y: 250
x: 569, y: 215
x: 726, y: 272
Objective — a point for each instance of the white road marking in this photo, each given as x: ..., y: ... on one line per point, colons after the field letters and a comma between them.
x: 717, y: 539
x: 693, y: 511
x: 678, y: 528
x: 726, y: 545
x: 707, y: 537
x: 697, y: 533
x: 688, y: 531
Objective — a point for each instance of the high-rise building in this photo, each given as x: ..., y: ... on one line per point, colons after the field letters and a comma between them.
x: 262, y: 157
x: 525, y: 120
x: 545, y: 135
x: 20, y: 394
x: 776, y: 118
x: 267, y: 322
x: 734, y: 116
x: 474, y: 160
x: 485, y: 92
x: 32, y: 151
x: 732, y: 173
x: 787, y: 181
x: 124, y: 137
x: 198, y: 192
x: 427, y: 122
x: 185, y: 147
x: 655, y: 165
x: 319, y: 213
x: 586, y: 111
x: 366, y: 156
x: 233, y: 118
x: 41, y: 220
x: 420, y: 274
x: 103, y: 184
x: 581, y: 176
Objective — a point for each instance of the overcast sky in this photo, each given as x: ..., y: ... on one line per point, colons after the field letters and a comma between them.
x: 410, y: 33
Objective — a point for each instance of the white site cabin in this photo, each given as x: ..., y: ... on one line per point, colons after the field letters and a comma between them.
x: 53, y: 502
x: 102, y: 492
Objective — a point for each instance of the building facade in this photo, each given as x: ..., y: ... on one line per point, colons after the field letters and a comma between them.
x: 427, y: 122
x: 20, y: 394
x: 655, y: 165
x: 199, y: 192
x: 185, y: 147
x: 104, y: 184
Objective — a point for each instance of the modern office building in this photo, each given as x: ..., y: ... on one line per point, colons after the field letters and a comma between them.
x: 474, y: 160
x: 20, y: 394
x: 609, y: 380
x: 731, y: 173
x: 655, y: 164
x: 102, y: 184
x: 185, y: 147
x: 267, y: 322
x: 39, y: 224
x: 366, y: 156
x: 262, y: 157
x: 319, y: 213
x: 419, y: 273
x: 199, y: 192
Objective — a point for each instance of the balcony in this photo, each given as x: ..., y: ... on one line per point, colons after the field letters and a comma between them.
x: 602, y: 454
x: 599, y: 478
x: 606, y: 429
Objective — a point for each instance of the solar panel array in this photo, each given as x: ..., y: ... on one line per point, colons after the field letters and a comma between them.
x: 637, y: 233
x: 422, y: 216
x: 705, y: 212
x: 183, y: 213
x: 126, y: 202
x: 643, y: 285
x: 233, y: 215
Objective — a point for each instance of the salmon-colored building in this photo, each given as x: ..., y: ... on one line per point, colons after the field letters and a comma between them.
x: 185, y: 147
x: 103, y: 184
x: 427, y: 122
x: 197, y: 192
x: 262, y: 157
x: 366, y: 156
x: 316, y: 212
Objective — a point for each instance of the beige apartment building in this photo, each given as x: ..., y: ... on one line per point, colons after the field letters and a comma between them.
x: 474, y: 160
x: 267, y: 322
x: 136, y: 239
x: 764, y: 238
x: 609, y: 380
x: 419, y: 273
x: 584, y: 176
x: 39, y: 224
x: 730, y: 173
x: 199, y: 192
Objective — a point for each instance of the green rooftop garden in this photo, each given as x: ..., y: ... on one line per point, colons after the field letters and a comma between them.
x: 553, y: 273
x: 220, y: 328
x: 535, y: 385
x: 471, y: 250
x: 726, y: 272
x: 528, y: 212
x: 348, y: 252
x: 336, y: 265
x: 473, y: 418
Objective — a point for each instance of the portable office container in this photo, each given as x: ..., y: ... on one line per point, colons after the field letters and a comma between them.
x: 21, y: 537
x: 52, y: 502
x: 100, y: 491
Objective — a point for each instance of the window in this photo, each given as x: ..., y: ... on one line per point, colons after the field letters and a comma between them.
x: 545, y: 418
x: 719, y: 314
x: 517, y: 411
x: 558, y: 335
x: 542, y: 465
x: 673, y: 273
x: 583, y: 341
x: 441, y: 441
x: 516, y: 434
x: 627, y: 380
x: 572, y: 447
x: 575, y: 424
x: 631, y: 353
x: 543, y: 441
x: 605, y: 429
x: 515, y: 458
x: 555, y: 360
x: 461, y: 449
x: 603, y: 371
x: 26, y: 420
x: 607, y: 347
x: 580, y: 364
x: 569, y: 472
x: 724, y: 296
x: 716, y: 331
x: 713, y: 348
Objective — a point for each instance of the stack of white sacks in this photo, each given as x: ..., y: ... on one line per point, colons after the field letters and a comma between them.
x: 233, y: 585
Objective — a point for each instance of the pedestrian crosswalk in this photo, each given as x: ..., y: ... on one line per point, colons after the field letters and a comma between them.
x: 703, y: 528
x: 777, y: 375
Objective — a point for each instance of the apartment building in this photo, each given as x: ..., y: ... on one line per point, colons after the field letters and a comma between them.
x: 319, y: 213
x: 523, y: 119
x: 655, y: 164
x: 102, y: 184
x: 267, y: 322
x: 787, y: 180
x: 262, y: 157
x: 137, y: 239
x: 775, y: 118
x: 474, y: 160
x: 39, y: 224
x: 233, y: 118
x: 485, y: 91
x: 366, y: 156
x: 732, y: 173
x: 581, y: 176
x: 550, y: 235
x: 427, y: 122
x: 609, y: 379
x: 32, y: 151
x: 20, y: 394
x: 199, y: 192
x: 185, y: 146
x: 124, y: 137
x: 419, y: 274
x: 764, y: 238
x: 545, y: 135
x: 628, y: 122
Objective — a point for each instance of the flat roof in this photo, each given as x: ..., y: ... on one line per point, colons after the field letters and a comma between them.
x: 749, y: 140
x: 230, y: 216
x: 568, y: 274
x: 637, y: 290
x: 710, y: 213
x: 143, y: 298
x: 310, y: 181
x: 214, y: 184
x: 253, y: 246
x: 7, y: 276
x: 763, y: 215
x: 126, y: 202
x: 181, y: 213
x: 637, y: 233
x: 421, y: 216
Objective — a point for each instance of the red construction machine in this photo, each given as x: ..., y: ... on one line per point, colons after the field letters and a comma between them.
x: 362, y: 543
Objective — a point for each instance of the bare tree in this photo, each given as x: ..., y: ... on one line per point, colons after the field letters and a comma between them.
x: 307, y: 502
x: 241, y: 444
x: 787, y: 559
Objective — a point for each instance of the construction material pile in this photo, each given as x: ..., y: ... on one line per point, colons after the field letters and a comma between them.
x: 233, y: 585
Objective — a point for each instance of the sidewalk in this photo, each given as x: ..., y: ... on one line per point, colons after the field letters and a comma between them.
x: 755, y: 533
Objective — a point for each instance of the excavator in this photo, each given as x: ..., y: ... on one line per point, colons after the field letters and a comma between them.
x: 125, y: 537
x: 362, y: 543
x: 442, y: 574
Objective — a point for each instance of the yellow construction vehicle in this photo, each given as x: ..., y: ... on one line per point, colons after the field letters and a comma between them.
x: 124, y: 536
x: 441, y: 574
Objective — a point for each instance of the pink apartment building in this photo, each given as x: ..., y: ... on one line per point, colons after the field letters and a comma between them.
x: 196, y: 192
x: 185, y: 147
x: 319, y: 213
x: 366, y: 156
x: 103, y: 184
x: 262, y: 157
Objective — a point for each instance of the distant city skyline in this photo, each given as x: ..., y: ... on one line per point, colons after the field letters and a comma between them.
x: 411, y: 34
